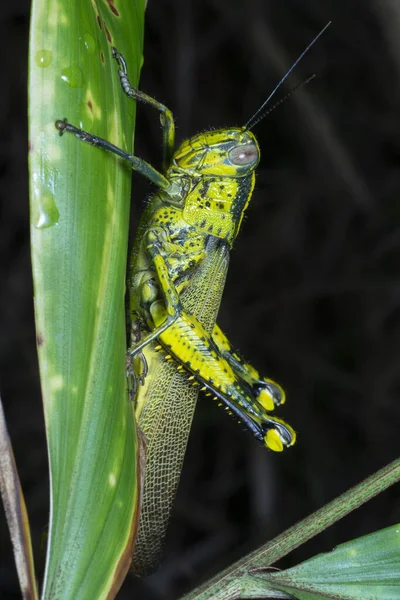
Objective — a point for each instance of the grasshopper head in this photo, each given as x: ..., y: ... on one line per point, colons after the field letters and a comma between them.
x: 221, y: 166
x: 222, y: 152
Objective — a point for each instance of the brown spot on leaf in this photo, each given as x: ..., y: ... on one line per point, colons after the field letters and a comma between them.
x: 39, y: 339
x: 112, y: 7
x: 108, y: 34
x: 99, y: 22
x: 101, y: 55
x: 90, y: 105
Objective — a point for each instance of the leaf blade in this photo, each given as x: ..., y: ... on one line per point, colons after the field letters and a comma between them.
x: 79, y: 228
x: 366, y: 568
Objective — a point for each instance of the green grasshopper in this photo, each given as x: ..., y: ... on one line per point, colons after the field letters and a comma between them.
x: 177, y: 274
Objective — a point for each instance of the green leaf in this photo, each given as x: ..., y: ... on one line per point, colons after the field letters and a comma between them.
x: 79, y: 231
x: 367, y: 568
x: 249, y: 578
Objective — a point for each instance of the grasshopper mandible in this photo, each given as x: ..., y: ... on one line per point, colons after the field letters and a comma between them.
x: 176, y: 278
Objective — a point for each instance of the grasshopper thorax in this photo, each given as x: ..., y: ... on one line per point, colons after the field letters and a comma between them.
x: 219, y: 167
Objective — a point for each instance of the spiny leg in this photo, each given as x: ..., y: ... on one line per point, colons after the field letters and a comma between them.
x: 136, y: 348
x: 167, y: 119
x: 267, y: 392
x: 189, y: 343
x: 149, y: 292
x: 193, y: 347
x: 137, y: 164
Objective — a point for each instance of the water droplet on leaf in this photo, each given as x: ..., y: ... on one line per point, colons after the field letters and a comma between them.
x: 43, y: 58
x: 89, y: 43
x: 73, y: 76
x: 48, y: 211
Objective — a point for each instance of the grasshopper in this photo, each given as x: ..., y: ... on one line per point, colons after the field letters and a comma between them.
x: 176, y: 278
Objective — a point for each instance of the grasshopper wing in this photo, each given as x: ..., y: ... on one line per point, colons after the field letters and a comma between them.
x: 165, y: 411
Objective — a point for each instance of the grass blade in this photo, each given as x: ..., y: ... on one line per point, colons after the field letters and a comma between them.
x: 363, y: 569
x: 79, y: 230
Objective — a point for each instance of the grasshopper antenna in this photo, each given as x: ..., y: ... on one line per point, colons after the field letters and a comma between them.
x: 256, y: 117
x: 282, y: 100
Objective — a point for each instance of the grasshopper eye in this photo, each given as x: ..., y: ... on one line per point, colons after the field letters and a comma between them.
x: 243, y: 155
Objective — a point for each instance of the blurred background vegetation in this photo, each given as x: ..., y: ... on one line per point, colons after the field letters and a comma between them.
x: 312, y: 297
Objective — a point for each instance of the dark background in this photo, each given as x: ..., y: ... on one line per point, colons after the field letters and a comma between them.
x: 312, y: 297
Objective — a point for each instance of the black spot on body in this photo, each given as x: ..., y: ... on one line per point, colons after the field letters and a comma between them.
x: 203, y: 191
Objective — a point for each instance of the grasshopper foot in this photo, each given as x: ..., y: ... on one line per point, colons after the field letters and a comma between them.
x: 269, y: 394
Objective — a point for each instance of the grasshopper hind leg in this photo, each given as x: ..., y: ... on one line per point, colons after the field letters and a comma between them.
x: 190, y: 344
x: 194, y: 348
x: 267, y: 392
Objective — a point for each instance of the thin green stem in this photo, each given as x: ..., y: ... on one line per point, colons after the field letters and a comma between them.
x: 233, y: 583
